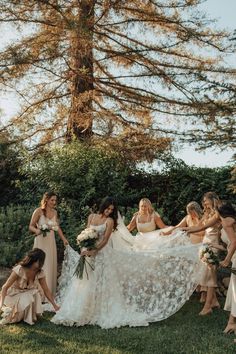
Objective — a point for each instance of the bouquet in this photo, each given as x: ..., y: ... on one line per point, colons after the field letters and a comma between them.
x: 86, y: 240
x: 207, y: 256
x: 45, y: 228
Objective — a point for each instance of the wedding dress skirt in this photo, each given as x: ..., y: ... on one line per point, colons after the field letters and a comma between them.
x: 136, y: 280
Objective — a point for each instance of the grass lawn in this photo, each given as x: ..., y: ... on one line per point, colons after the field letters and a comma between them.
x: 185, y: 332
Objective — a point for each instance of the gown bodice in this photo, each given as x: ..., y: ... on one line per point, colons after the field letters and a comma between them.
x: 100, y: 229
x: 146, y: 226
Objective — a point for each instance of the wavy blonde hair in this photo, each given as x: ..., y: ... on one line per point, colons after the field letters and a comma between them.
x: 194, y: 206
x: 148, y: 202
x: 215, y: 200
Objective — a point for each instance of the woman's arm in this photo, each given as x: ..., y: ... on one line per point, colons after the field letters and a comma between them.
x: 12, y: 278
x: 200, y: 227
x: 109, y: 229
x: 182, y: 223
x: 60, y: 233
x: 133, y: 224
x: 48, y: 294
x: 34, y: 220
x: 158, y: 221
x: 228, y: 227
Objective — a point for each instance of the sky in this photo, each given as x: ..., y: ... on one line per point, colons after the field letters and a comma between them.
x: 224, y: 12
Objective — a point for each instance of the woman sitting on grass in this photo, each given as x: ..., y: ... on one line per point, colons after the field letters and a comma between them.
x: 21, y: 294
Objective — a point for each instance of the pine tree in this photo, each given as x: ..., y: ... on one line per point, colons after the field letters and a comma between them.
x: 118, y: 72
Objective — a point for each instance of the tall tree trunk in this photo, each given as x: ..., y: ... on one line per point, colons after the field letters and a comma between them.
x: 80, y: 117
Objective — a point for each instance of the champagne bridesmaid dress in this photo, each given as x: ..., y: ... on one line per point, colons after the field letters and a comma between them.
x: 48, y: 245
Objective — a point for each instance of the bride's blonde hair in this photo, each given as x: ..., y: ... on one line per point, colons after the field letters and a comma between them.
x: 149, y: 204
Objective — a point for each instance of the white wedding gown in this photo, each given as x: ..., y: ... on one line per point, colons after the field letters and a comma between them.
x: 136, y: 280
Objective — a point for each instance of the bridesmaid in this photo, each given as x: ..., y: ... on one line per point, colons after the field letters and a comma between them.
x: 211, y: 223
x: 46, y: 215
x: 146, y: 219
x: 21, y: 294
x: 228, y: 219
x: 193, y: 218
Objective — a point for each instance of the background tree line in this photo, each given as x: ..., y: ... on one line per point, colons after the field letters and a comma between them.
x: 81, y: 175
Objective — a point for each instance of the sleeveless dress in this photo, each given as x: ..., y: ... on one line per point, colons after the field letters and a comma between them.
x: 48, y: 245
x: 23, y: 300
x: 196, y: 237
x: 209, y: 275
x: 146, y: 226
x: 230, y: 302
x: 128, y: 286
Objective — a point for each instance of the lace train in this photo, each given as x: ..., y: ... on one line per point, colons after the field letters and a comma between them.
x: 136, y: 280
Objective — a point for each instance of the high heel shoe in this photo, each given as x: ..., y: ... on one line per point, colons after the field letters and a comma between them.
x: 230, y: 328
x: 205, y: 312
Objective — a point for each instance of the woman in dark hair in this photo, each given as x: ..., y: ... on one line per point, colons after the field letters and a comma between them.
x: 20, y: 296
x: 228, y: 219
x: 80, y: 302
x: 104, y: 222
x: 43, y: 224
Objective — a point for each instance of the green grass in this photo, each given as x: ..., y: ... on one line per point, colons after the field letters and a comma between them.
x: 183, y: 333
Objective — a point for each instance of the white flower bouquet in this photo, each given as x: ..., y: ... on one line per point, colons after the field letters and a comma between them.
x: 45, y: 228
x: 86, y: 240
x: 207, y: 255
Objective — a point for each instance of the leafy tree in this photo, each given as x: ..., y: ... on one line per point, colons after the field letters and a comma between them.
x: 118, y: 71
x: 10, y: 161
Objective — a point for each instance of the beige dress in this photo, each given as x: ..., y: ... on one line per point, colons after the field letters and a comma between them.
x: 48, y: 245
x: 230, y: 302
x: 147, y: 226
x: 209, y: 276
x: 196, y: 237
x: 23, y: 300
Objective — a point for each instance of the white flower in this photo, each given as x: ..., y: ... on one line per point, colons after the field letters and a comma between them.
x: 55, y: 227
x: 44, y: 227
x: 207, y: 255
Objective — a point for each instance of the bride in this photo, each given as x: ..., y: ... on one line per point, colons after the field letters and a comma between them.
x: 130, y: 284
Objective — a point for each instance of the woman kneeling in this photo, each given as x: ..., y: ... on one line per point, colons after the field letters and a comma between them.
x: 21, y: 296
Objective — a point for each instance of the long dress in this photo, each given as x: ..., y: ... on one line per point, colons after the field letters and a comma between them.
x: 23, y: 300
x: 129, y: 285
x: 48, y: 245
x: 209, y: 275
x: 230, y: 302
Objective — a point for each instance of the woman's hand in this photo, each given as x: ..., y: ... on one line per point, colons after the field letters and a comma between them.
x: 56, y: 307
x: 225, y: 263
x: 186, y: 228
x: 91, y: 253
x: 65, y: 242
x: 37, y: 232
x: 166, y: 233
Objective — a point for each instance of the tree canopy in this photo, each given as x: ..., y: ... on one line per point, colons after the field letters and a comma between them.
x: 130, y: 74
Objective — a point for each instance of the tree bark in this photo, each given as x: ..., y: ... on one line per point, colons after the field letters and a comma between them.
x: 80, y: 118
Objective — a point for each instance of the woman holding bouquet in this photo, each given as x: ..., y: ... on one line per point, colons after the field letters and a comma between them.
x: 82, y: 302
x: 212, y: 225
x: 43, y: 224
